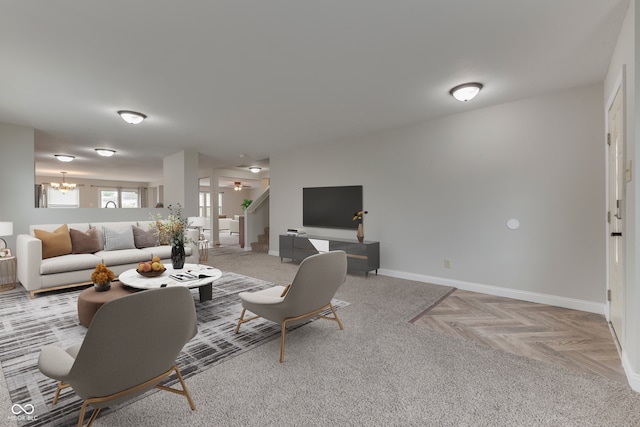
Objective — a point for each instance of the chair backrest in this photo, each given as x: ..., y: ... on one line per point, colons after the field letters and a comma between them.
x: 316, y: 282
x: 133, y: 339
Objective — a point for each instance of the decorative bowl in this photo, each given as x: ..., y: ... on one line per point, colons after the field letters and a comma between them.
x: 151, y: 273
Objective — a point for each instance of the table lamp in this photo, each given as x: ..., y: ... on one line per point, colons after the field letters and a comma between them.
x: 6, y: 229
x: 197, y: 222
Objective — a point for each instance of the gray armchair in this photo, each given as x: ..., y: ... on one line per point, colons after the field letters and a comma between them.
x: 316, y: 282
x: 130, y: 347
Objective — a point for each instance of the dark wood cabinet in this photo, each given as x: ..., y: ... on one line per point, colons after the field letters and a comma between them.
x: 363, y: 257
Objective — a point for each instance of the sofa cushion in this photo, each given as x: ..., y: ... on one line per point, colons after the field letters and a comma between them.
x: 122, y: 238
x: 112, y: 225
x: 54, y: 243
x: 123, y: 256
x: 64, y: 263
x: 84, y: 243
x: 145, y: 238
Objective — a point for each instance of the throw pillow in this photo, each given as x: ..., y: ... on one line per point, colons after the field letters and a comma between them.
x: 145, y: 238
x: 56, y: 243
x: 118, y: 239
x: 84, y: 243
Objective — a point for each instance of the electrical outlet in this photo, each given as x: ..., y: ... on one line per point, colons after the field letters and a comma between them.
x: 447, y: 263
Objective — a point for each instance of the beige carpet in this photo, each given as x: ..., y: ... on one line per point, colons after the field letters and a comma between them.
x: 382, y: 371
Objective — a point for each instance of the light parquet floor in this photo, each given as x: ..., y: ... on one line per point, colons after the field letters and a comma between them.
x: 573, y: 339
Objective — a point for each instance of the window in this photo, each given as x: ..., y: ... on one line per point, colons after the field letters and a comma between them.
x: 129, y: 198
x: 220, y: 203
x: 118, y: 197
x: 58, y: 199
x: 205, y: 204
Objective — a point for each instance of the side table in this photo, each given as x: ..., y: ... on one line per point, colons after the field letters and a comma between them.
x: 203, y: 248
x: 7, y: 273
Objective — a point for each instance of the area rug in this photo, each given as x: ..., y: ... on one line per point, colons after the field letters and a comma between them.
x: 52, y: 318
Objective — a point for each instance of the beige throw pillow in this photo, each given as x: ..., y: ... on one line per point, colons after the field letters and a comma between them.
x: 56, y: 243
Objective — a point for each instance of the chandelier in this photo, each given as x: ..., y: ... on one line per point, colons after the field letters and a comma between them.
x: 64, y: 186
x: 237, y: 186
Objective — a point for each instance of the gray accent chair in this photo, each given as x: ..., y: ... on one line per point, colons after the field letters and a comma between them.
x: 130, y: 347
x: 316, y: 282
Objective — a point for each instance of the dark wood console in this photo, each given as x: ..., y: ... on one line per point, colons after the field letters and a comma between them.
x: 364, y: 257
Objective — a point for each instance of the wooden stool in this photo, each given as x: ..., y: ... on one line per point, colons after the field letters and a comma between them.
x: 89, y: 301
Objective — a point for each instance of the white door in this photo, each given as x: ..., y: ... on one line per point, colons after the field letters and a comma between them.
x: 615, y: 214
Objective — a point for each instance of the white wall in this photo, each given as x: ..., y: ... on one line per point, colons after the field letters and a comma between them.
x: 232, y: 200
x: 446, y: 188
x: 180, y: 179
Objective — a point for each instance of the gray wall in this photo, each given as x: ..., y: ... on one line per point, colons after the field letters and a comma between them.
x: 444, y: 189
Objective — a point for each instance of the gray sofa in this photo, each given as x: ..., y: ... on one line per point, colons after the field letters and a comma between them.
x: 74, y: 269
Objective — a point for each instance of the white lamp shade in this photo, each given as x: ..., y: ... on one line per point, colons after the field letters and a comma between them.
x: 6, y: 228
x: 197, y: 221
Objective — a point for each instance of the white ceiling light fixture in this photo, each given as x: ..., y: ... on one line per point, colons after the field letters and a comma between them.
x: 255, y: 169
x: 466, y: 92
x: 132, y: 117
x: 105, y: 152
x: 237, y: 186
x: 64, y: 186
x: 64, y: 157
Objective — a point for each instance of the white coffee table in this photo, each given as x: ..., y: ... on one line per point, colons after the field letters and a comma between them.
x: 206, y: 276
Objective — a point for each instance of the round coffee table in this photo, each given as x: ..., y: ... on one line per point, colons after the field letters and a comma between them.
x: 89, y: 301
x: 191, y: 276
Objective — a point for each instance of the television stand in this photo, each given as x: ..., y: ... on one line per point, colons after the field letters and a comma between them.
x: 363, y: 257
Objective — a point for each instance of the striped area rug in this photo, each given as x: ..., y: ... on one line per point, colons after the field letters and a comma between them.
x: 52, y: 318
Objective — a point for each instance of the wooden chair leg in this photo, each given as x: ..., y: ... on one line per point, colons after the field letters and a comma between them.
x: 337, y: 319
x: 61, y: 386
x: 282, y: 337
x: 83, y: 409
x: 243, y: 320
x: 240, y: 321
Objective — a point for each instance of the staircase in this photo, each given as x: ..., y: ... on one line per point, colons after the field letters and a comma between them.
x: 262, y: 245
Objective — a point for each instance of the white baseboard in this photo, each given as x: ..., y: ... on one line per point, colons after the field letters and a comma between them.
x: 572, y: 303
x: 632, y: 377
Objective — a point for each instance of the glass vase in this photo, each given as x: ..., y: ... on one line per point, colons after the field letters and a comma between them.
x: 177, y: 256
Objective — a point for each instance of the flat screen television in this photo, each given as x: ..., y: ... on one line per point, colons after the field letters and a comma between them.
x: 331, y: 207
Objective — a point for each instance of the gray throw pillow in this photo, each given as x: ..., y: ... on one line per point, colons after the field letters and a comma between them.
x: 145, y: 238
x: 118, y: 239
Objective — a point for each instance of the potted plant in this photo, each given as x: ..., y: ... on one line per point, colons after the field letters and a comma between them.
x: 102, y: 277
x: 245, y: 204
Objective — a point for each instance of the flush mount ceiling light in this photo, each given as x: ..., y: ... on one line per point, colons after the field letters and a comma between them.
x: 237, y: 186
x: 466, y: 92
x: 105, y: 152
x: 64, y: 157
x: 132, y: 117
x: 64, y: 186
x: 255, y: 169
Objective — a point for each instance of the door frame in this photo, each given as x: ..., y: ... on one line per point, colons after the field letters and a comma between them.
x: 619, y: 86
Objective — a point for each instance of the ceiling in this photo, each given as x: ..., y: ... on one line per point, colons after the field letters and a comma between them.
x: 239, y: 80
